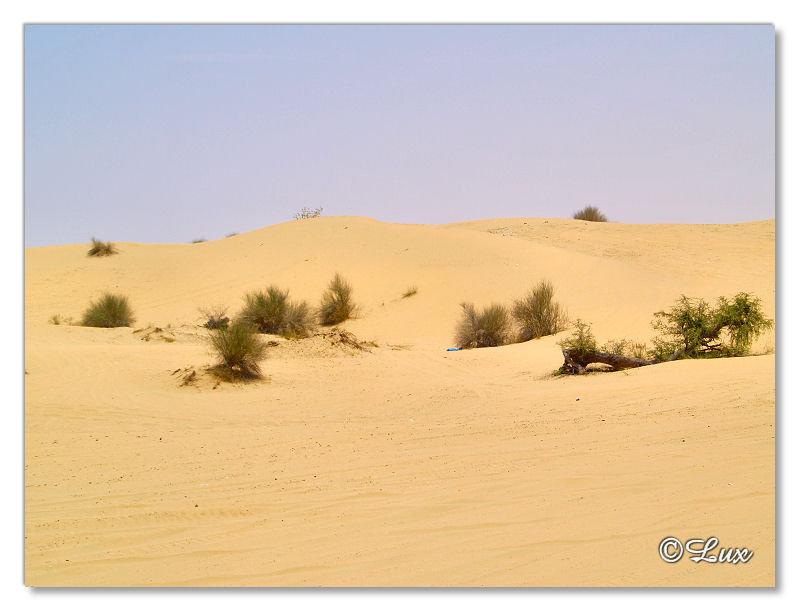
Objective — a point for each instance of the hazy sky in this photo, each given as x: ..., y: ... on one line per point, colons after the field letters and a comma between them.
x: 171, y: 133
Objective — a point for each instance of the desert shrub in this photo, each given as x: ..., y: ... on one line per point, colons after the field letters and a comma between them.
x: 582, y: 340
x: 271, y: 312
x: 215, y: 317
x: 198, y: 240
x: 590, y: 213
x: 101, y: 249
x: 298, y: 320
x: 626, y: 348
x: 109, y: 311
x: 232, y: 234
x: 537, y: 314
x: 239, y: 350
x: 489, y: 327
x: 617, y: 347
x: 308, y: 213
x: 337, y: 302
x: 700, y: 330
x: 412, y: 290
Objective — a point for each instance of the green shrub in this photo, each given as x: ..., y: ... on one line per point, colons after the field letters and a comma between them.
x: 701, y: 330
x: 582, y: 340
x: 215, y: 317
x: 489, y: 327
x: 590, y: 213
x: 298, y: 320
x: 239, y: 350
x: 307, y: 213
x: 337, y: 303
x: 271, y: 312
x: 537, y: 314
x: 617, y: 347
x: 109, y: 311
x: 101, y: 249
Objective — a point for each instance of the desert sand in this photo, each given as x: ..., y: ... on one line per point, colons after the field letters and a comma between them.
x: 402, y: 464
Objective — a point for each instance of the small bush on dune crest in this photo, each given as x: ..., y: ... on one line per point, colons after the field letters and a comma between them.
x: 308, y: 213
x: 337, y: 302
x: 198, y: 240
x: 239, y: 350
x: 537, y: 314
x: 489, y: 327
x: 590, y: 213
x: 101, y: 249
x: 109, y: 311
x: 271, y: 312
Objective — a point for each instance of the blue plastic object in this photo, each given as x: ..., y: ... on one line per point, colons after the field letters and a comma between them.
x: 454, y: 349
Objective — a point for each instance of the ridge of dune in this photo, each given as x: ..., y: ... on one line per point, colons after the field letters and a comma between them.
x: 400, y: 465
x: 599, y: 280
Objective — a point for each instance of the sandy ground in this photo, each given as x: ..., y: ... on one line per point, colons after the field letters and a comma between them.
x: 403, y: 464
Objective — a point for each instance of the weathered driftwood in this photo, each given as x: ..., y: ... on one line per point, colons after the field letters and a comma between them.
x: 575, y: 361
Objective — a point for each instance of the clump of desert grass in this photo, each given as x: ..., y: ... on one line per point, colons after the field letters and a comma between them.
x: 538, y: 314
x: 238, y: 349
x: 590, y: 213
x: 412, y: 290
x: 110, y: 310
x: 272, y: 312
x: 199, y: 240
x: 101, y: 249
x: 215, y: 317
x: 490, y: 326
x: 337, y: 304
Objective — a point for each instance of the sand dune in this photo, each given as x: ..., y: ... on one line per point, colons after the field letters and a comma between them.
x: 401, y: 465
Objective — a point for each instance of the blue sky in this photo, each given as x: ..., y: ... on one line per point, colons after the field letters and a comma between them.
x: 171, y: 133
